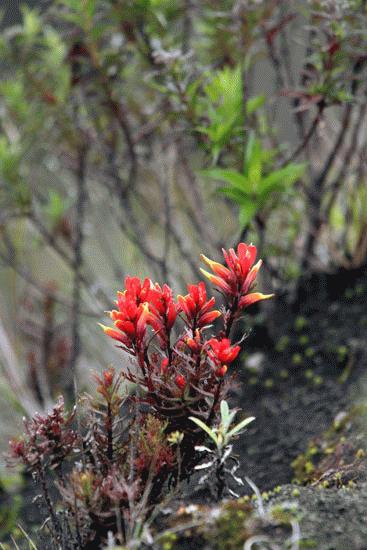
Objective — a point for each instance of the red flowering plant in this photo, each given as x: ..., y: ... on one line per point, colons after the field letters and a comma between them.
x: 113, y: 460
x: 184, y: 376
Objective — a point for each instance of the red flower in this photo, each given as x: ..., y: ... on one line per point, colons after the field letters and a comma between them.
x: 163, y: 311
x: 196, y: 307
x: 108, y: 376
x: 238, y: 278
x: 164, y: 365
x: 221, y: 351
x: 195, y: 343
x: 180, y: 381
x: 133, y: 313
x: 105, y: 382
x: 221, y: 371
x: 136, y: 290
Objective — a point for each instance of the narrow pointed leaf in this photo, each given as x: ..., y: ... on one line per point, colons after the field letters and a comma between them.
x: 241, y: 425
x: 204, y: 427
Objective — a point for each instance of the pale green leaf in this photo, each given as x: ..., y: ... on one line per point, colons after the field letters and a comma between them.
x: 229, y: 176
x: 254, y: 103
x: 204, y: 427
x: 240, y: 426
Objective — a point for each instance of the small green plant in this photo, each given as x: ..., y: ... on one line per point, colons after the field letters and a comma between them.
x: 222, y: 105
x: 252, y: 189
x: 221, y: 436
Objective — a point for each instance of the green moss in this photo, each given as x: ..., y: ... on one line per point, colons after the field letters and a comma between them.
x: 283, y: 515
x: 168, y: 541
x: 297, y: 359
x: 310, y: 352
x: 300, y: 323
x: 308, y: 543
x: 334, y: 450
x: 359, y: 289
x: 303, y: 340
x: 342, y: 353
x: 282, y: 344
x: 360, y: 454
x: 230, y: 530
x: 304, y: 465
x: 318, y: 380
x: 349, y: 293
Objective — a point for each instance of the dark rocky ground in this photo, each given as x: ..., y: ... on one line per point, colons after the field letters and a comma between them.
x: 314, y: 371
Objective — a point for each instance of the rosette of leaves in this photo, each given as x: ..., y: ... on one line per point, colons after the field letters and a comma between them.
x: 257, y: 184
x: 221, y: 460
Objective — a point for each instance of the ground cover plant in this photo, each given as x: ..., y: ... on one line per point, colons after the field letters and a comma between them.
x: 112, y: 470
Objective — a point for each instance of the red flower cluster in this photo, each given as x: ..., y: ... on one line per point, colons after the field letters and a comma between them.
x: 132, y: 315
x: 238, y: 278
x: 108, y: 385
x: 196, y: 307
x: 195, y: 361
x: 163, y: 312
x: 222, y: 354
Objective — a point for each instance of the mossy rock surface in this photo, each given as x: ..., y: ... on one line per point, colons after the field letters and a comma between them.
x: 323, y: 519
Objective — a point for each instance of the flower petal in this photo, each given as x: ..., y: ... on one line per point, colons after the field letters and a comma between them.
x: 250, y: 299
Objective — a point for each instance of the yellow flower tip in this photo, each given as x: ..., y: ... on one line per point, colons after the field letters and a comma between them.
x: 256, y: 267
x: 206, y: 260
x: 206, y: 274
x: 103, y: 327
x: 264, y: 296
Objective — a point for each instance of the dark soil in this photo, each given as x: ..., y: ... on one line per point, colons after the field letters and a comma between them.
x: 321, y: 373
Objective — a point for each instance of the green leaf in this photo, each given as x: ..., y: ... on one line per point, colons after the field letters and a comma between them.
x: 247, y: 212
x: 227, y: 416
x: 254, y: 167
x: 237, y: 195
x: 240, y: 426
x: 254, y: 103
x: 31, y: 22
x: 222, y: 105
x: 56, y: 206
x: 282, y: 178
x: 229, y: 176
x: 224, y: 409
x: 248, y: 152
x: 204, y: 427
